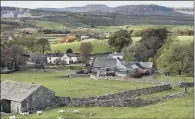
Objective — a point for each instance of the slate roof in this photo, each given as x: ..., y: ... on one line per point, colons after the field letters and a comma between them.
x: 54, y: 54
x: 73, y: 54
x: 133, y: 65
x: 100, y: 54
x: 104, y: 62
x: 147, y: 64
x: 17, y: 91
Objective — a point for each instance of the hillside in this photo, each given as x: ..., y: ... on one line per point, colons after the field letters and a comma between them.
x: 125, y: 9
x: 102, y: 15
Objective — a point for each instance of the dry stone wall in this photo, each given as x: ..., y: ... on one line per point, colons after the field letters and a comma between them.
x: 126, y: 98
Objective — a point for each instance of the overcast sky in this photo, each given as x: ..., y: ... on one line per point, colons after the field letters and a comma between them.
x: 62, y: 4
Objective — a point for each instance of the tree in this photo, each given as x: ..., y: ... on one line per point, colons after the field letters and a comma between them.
x: 13, y: 57
x: 31, y: 44
x: 43, y: 45
x: 69, y: 50
x: 85, y: 49
x: 151, y: 41
x: 120, y: 39
x: 176, y: 57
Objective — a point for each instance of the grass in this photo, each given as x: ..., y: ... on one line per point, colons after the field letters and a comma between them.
x: 138, y: 27
x: 98, y: 47
x: 46, y: 24
x: 76, y: 87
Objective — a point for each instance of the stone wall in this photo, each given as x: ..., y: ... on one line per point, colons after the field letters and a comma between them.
x: 80, y: 75
x: 128, y: 102
x: 62, y: 101
x: 182, y: 84
x: 122, y: 98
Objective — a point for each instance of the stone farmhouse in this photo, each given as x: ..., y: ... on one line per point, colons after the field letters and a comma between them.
x: 113, y: 66
x: 17, y: 97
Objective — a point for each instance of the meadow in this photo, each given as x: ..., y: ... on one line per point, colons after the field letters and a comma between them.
x: 84, y: 87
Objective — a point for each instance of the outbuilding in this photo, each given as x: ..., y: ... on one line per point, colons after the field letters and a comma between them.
x: 17, y: 97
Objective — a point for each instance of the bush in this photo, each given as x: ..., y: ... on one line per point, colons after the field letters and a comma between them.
x: 68, y: 39
x: 137, y: 33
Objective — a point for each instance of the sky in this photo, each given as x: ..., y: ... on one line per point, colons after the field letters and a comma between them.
x: 62, y: 4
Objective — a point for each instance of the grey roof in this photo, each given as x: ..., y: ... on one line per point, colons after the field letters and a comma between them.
x: 132, y: 65
x: 116, y: 54
x: 54, y: 54
x: 105, y: 62
x: 73, y: 54
x: 17, y: 91
x: 147, y: 64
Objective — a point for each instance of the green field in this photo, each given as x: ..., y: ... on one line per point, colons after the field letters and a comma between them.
x: 98, y: 47
x: 138, y: 27
x: 84, y: 87
x: 46, y: 24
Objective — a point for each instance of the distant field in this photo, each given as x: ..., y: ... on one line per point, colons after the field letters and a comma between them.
x: 46, y: 24
x: 138, y: 27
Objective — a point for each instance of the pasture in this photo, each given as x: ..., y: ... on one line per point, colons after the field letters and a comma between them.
x: 98, y: 47
x: 84, y: 87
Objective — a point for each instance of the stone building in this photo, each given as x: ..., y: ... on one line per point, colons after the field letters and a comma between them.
x: 17, y: 97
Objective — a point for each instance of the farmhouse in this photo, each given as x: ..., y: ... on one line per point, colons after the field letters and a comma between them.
x: 17, y: 97
x: 51, y: 57
x: 71, y: 57
x: 117, y: 67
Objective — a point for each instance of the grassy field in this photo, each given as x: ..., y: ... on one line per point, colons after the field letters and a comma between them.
x: 138, y: 27
x: 46, y: 24
x: 77, y: 87
x: 98, y: 47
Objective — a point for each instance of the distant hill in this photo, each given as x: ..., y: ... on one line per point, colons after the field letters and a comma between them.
x: 102, y: 15
x: 125, y: 9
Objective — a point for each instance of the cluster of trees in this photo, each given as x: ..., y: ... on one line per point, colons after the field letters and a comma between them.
x: 14, y: 53
x: 53, y: 31
x: 174, y: 56
x: 145, y: 49
x: 13, y: 57
x: 31, y: 44
x: 120, y: 39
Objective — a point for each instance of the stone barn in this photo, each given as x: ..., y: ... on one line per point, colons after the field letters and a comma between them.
x: 17, y: 97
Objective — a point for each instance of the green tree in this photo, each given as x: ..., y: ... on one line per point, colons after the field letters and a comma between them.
x: 43, y: 45
x: 85, y: 49
x: 120, y: 39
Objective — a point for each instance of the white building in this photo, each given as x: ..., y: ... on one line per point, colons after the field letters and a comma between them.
x: 24, y: 15
x: 74, y: 57
x: 7, y: 14
x: 52, y: 57
x: 84, y: 37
